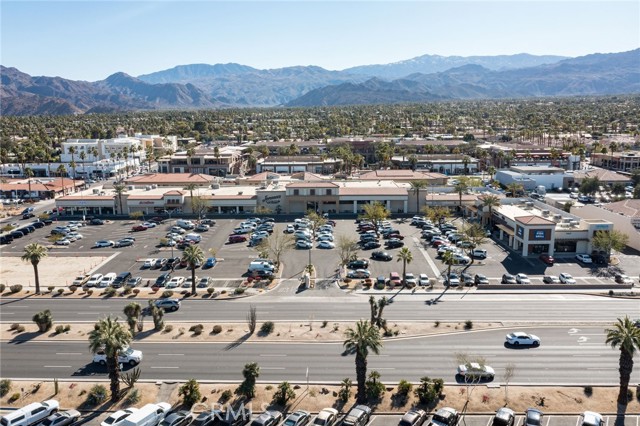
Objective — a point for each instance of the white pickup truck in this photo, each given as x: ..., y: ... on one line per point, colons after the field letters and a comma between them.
x: 127, y: 356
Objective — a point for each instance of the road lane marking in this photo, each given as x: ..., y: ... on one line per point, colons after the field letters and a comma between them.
x: 272, y: 368
x: 160, y: 367
x: 170, y: 354
x: 68, y: 353
x: 57, y: 366
x: 385, y: 368
x: 7, y: 313
x: 272, y: 355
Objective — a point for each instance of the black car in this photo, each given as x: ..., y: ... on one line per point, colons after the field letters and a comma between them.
x: 6, y: 239
x: 207, y: 418
x: 504, y: 417
x: 17, y: 234
x: 368, y: 245
x: 28, y: 215
x: 121, y: 279
x: 394, y: 243
x: 358, y: 264
x: 508, y: 279
x: 172, y: 263
x: 163, y: 279
x: 480, y: 279
x: 381, y: 255
x: 97, y: 221
x: 37, y: 224
x: 235, y: 418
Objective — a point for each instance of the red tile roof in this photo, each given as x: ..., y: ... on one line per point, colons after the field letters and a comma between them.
x: 534, y: 220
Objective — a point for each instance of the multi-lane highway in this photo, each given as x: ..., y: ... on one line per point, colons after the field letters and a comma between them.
x: 568, y: 354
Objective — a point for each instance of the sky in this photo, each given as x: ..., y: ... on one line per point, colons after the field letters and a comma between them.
x: 90, y: 40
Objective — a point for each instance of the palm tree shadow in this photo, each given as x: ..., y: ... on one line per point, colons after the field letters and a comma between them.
x: 620, y: 415
x: 24, y: 337
x: 237, y: 342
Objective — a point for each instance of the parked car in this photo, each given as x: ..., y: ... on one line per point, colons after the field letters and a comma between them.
x: 359, y: 273
x: 63, y: 242
x: 236, y: 238
x: 504, y: 417
x: 394, y: 279
x: 326, y: 417
x: 445, y: 416
x: 124, y: 243
x: 326, y: 245
x: 30, y: 414
x: 207, y: 418
x: 479, y: 279
x: 289, y: 229
x: 545, y: 258
x: 453, y: 280
x: 566, y: 278
x: 357, y: 416
x: 381, y: 255
x: 394, y: 243
x: 177, y: 418
x: 410, y: 280
x: 104, y: 243
x: 62, y: 418
x: 584, y: 258
x: 94, y: 281
x: 550, y: 279
x: 268, y: 418
x: 475, y: 371
x: 116, y: 418
x: 175, y: 282
x: 304, y: 244
x: 591, y: 418
x: 533, y: 417
x: 202, y: 228
x: 139, y: 228
x: 372, y: 244
x: 518, y: 338
x: 623, y: 279
x: 203, y: 282
x: 160, y: 263
x: 423, y: 280
x: 522, y: 279
x: 358, y: 264
x: 210, y: 262
x: 466, y: 279
x: 413, y: 418
x: 508, y: 279
x: 134, y: 281
x: 170, y: 305
x: 297, y: 418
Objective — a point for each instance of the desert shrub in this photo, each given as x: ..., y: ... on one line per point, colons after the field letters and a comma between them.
x: 345, y: 390
x: 588, y: 390
x: 217, y: 329
x: 14, y: 326
x: 168, y: 328
x: 2, y: 288
x: 136, y: 291
x: 89, y: 292
x: 438, y: 386
x: 59, y: 329
x: 15, y: 288
x: 14, y: 397
x: 109, y: 291
x: 225, y: 396
x: 347, y: 280
x: 373, y: 386
x: 44, y: 320
x: 167, y: 293
x: 133, y: 397
x: 73, y: 288
x: 60, y: 291
x: 67, y: 327
x: 404, y: 388
x: 629, y: 395
x: 196, y: 329
x: 97, y: 395
x: 5, y: 387
x: 20, y: 329
x: 238, y: 290
x: 324, y: 324
x: 51, y: 288
x: 211, y: 290
x: 427, y: 390
x: 267, y: 327
x: 268, y: 387
x: 127, y: 289
x: 468, y: 325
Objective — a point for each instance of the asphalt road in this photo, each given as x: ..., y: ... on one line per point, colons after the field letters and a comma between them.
x: 568, y: 355
x: 289, y: 305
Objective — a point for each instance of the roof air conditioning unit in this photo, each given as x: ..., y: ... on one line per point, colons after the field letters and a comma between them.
x: 215, y: 186
x: 545, y: 213
x: 132, y: 187
x: 147, y: 188
x: 566, y: 220
x: 557, y: 217
x: 529, y: 204
x: 574, y: 223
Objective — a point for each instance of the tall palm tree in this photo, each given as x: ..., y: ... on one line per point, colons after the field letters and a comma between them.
x: 626, y: 336
x: 193, y: 255
x: 490, y: 201
x: 120, y: 189
x: 416, y: 186
x: 112, y: 337
x: 62, y: 171
x: 461, y: 187
x: 28, y: 173
x: 363, y: 338
x: 191, y: 187
x: 34, y: 253
x: 514, y: 188
x: 83, y: 156
x: 405, y: 256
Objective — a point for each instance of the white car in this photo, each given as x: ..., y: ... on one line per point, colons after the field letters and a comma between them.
x: 149, y: 263
x: 187, y: 283
x: 584, y: 258
x: 410, y: 280
x: 116, y: 418
x: 149, y: 225
x: 75, y: 235
x: 474, y: 370
x: 326, y: 417
x: 325, y: 237
x: 63, y: 242
x: 303, y: 244
x: 518, y: 338
x: 94, y: 281
x: 126, y: 356
x: 423, y: 280
x: 522, y: 279
x: 566, y: 278
x: 104, y: 243
x: 326, y: 245
x: 290, y: 229
x: 591, y: 418
x: 108, y: 279
x: 175, y: 282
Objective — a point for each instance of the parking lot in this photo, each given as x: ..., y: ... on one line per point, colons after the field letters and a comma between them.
x: 233, y: 259
x: 486, y: 420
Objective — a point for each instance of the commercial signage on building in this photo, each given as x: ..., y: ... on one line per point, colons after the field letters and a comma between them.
x: 520, y: 231
x: 539, y: 235
x: 272, y: 199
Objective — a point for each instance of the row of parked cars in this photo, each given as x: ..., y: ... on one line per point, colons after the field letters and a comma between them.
x: 254, y: 229
x: 304, y: 234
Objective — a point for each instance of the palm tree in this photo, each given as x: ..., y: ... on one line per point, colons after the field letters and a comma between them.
x: 34, y: 253
x: 514, y: 188
x: 83, y: 156
x: 72, y: 151
x: 28, y: 173
x: 405, y: 256
x: 191, y: 187
x: 193, y: 255
x: 461, y: 187
x: 62, y: 171
x: 119, y: 189
x: 626, y: 336
x: 492, y: 171
x: 490, y: 201
x: 110, y: 336
x: 364, y: 338
x: 416, y: 186
x: 132, y: 311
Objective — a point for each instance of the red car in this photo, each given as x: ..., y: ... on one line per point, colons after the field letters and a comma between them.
x: 138, y: 228
x: 549, y: 260
x: 389, y: 236
x: 237, y: 238
x: 438, y: 243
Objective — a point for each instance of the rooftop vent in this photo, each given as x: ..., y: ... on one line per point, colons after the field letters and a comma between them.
x: 545, y: 213
x: 566, y: 220
x: 574, y: 223
x: 557, y: 217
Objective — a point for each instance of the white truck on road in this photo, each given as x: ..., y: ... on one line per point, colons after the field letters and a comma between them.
x: 126, y: 356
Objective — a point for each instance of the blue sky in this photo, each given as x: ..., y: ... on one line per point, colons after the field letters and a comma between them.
x: 90, y: 40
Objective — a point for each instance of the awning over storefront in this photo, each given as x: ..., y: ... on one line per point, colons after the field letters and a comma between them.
x: 506, y: 229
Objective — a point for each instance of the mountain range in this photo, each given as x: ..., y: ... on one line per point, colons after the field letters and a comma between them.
x: 421, y: 79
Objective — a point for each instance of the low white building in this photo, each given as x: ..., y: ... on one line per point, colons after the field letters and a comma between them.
x: 625, y: 215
